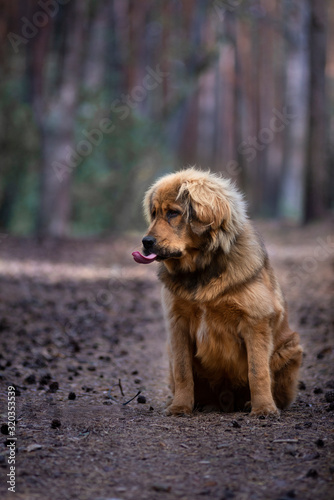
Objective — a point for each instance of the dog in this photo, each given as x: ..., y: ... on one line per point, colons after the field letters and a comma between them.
x: 229, y: 341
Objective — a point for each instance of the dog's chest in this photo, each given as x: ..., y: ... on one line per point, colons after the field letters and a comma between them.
x: 219, y: 347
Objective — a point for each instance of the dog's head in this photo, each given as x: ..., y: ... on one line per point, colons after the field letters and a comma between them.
x: 190, y: 212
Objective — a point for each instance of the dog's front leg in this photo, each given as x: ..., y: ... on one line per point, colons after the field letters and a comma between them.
x: 259, y: 348
x: 180, y: 353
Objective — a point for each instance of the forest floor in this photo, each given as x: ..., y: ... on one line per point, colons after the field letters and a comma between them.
x: 81, y: 333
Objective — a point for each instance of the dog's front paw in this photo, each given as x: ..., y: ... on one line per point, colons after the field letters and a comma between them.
x: 265, y: 410
x: 178, y: 410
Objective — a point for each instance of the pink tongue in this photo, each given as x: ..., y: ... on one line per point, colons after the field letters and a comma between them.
x: 144, y: 259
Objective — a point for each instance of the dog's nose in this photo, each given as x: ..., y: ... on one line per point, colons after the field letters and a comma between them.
x: 148, y: 242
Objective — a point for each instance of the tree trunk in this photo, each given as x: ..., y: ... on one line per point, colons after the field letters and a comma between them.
x: 225, y: 98
x: 57, y: 135
x: 294, y: 111
x: 316, y: 174
x: 95, y: 58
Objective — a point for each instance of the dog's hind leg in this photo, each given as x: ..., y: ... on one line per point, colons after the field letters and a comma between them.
x: 285, y: 363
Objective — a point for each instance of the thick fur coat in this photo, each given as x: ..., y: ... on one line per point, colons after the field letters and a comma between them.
x: 229, y: 341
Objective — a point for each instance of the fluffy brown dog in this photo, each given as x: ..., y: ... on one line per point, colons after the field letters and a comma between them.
x: 229, y: 339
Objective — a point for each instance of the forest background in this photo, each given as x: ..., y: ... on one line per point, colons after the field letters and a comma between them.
x: 99, y: 98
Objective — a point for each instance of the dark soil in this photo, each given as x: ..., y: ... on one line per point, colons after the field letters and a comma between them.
x: 81, y: 333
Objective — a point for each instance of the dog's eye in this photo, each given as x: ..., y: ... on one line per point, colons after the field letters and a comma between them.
x: 153, y: 214
x: 172, y: 213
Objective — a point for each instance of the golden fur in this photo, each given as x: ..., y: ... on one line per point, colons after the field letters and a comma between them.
x: 228, y: 335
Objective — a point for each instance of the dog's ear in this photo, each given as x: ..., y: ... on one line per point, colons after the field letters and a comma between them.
x: 148, y: 204
x: 206, y: 207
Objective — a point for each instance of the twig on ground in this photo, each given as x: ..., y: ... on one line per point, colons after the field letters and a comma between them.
x: 109, y: 396
x: 285, y: 441
x: 120, y: 386
x: 132, y: 398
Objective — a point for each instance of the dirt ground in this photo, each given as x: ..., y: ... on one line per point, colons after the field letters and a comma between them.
x: 81, y: 333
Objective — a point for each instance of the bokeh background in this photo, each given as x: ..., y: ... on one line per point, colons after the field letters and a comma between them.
x: 98, y: 98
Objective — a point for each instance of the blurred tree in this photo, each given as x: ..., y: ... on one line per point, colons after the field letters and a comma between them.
x: 56, y: 115
x: 295, y: 108
x: 316, y: 196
